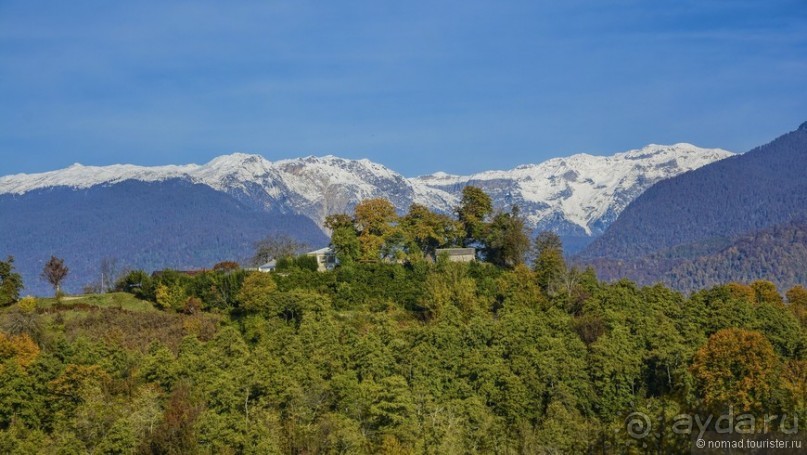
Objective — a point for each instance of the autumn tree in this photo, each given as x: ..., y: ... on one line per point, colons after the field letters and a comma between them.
x: 226, y: 266
x: 736, y: 368
x: 10, y: 282
x: 374, y: 220
x: 429, y: 230
x: 766, y: 292
x: 55, y: 272
x: 18, y: 347
x: 176, y: 432
x: 475, y: 206
x: 797, y: 298
x: 742, y: 292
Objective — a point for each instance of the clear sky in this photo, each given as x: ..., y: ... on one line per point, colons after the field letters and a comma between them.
x: 419, y: 86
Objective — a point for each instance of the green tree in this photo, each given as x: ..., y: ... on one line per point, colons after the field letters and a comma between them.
x: 393, y: 409
x: 256, y: 293
x: 10, y: 282
x: 549, y: 264
x: 171, y: 297
x: 374, y: 220
x: 430, y: 230
x: 344, y: 237
x: 616, y: 366
x: 475, y: 207
x: 507, y: 241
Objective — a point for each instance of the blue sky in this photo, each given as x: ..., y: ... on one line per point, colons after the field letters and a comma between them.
x: 419, y: 86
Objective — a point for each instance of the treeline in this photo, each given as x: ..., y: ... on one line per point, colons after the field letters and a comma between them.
x: 376, y: 233
x: 398, y: 357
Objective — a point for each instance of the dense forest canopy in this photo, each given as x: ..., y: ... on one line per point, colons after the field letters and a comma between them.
x: 395, y: 351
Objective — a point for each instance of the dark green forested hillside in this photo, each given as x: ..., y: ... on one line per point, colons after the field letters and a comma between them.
x: 739, y: 219
x: 440, y: 358
x: 173, y: 224
x: 714, y: 204
x: 778, y: 253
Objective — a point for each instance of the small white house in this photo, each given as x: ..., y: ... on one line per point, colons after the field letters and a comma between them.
x: 326, y: 258
x: 457, y: 254
x: 268, y: 267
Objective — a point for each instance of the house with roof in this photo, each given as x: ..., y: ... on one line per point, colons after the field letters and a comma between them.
x: 326, y: 258
x: 268, y: 267
x: 456, y: 254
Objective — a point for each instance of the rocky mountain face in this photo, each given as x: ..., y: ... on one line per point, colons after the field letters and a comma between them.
x: 579, y: 195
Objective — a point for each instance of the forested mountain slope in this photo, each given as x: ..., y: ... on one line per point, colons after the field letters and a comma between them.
x: 777, y: 253
x: 714, y: 204
x: 144, y: 225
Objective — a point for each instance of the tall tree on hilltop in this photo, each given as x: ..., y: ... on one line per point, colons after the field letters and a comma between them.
x: 374, y: 220
x: 475, y: 207
x: 507, y: 241
x: 55, y: 272
x: 344, y: 237
x: 430, y: 230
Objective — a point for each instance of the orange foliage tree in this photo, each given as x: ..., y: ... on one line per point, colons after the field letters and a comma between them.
x: 20, y: 348
x: 735, y: 368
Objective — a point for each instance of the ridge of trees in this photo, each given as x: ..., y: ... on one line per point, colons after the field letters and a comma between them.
x: 375, y: 232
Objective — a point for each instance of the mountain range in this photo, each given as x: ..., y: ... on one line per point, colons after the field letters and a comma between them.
x: 190, y: 216
x: 739, y: 219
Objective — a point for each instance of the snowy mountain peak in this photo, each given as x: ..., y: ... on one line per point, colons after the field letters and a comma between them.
x: 576, y: 195
x: 581, y: 194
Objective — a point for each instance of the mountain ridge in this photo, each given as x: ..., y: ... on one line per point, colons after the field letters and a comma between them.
x: 738, y: 219
x: 576, y: 195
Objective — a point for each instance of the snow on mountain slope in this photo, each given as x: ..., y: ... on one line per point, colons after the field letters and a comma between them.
x: 581, y: 194
x: 578, y: 195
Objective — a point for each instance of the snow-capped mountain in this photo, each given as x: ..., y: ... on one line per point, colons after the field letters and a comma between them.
x: 579, y: 195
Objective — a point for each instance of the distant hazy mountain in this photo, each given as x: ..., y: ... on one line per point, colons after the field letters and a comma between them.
x: 741, y: 218
x: 146, y: 225
x: 246, y: 197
